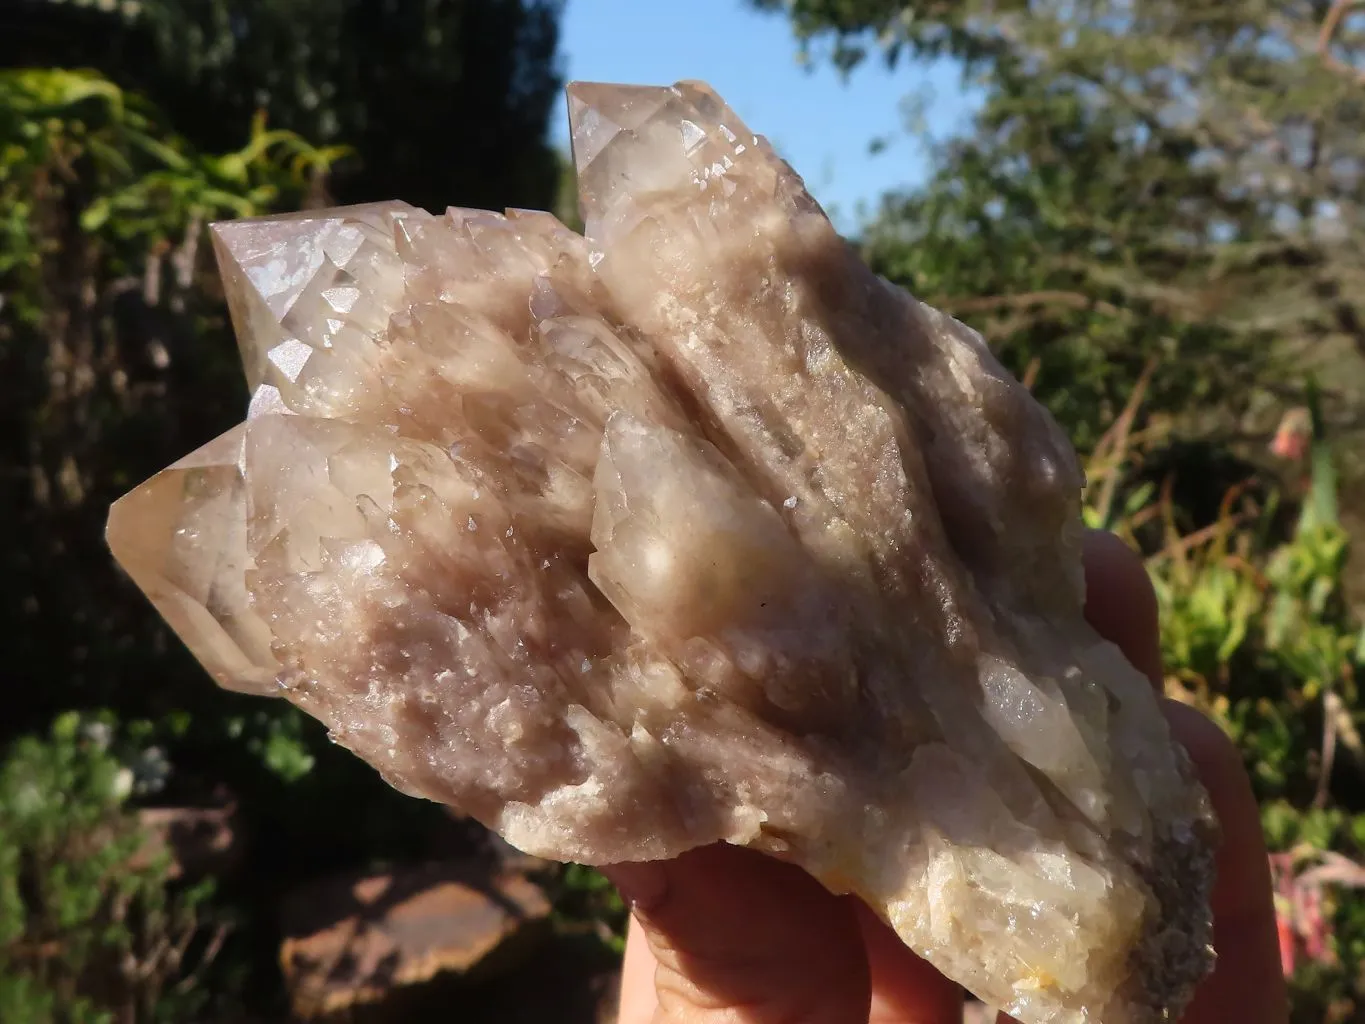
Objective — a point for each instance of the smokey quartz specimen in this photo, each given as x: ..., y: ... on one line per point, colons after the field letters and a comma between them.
x: 690, y: 530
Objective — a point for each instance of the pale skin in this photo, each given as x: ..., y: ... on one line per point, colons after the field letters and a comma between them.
x: 723, y: 935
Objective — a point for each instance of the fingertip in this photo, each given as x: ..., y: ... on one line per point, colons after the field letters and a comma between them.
x: 1247, y: 983
x: 642, y: 886
x: 637, y: 1001
x: 905, y: 988
x: 727, y: 929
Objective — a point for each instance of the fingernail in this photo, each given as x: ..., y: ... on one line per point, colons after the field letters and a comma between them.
x: 642, y: 885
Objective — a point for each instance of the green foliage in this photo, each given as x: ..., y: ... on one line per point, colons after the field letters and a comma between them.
x: 74, y: 133
x: 1256, y: 632
x: 444, y: 102
x: 1261, y: 635
x: 114, y: 354
x: 278, y: 737
x: 89, y: 931
x: 1170, y: 183
x: 584, y: 899
x: 115, y: 360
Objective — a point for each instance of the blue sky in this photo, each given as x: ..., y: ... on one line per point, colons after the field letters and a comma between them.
x: 819, y: 121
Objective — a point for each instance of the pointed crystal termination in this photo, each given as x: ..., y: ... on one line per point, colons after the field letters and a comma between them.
x: 292, y: 281
x: 598, y: 112
x: 181, y: 536
x: 631, y: 142
x: 694, y: 530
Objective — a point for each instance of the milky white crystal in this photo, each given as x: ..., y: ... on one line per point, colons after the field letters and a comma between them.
x: 690, y: 530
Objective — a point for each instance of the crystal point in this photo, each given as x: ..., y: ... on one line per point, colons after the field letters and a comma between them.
x: 272, y: 265
x: 692, y: 531
x: 598, y: 111
x: 181, y: 536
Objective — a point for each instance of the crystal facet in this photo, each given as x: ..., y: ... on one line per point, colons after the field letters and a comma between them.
x: 691, y: 530
x: 182, y: 537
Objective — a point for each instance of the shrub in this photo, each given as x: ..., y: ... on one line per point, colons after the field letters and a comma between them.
x: 1257, y: 633
x: 90, y: 932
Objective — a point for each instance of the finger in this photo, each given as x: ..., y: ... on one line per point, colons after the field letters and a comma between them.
x: 905, y: 989
x: 1247, y: 985
x: 637, y: 1001
x: 735, y: 935
x: 1120, y: 603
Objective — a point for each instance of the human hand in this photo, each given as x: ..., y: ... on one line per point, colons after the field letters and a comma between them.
x: 724, y: 935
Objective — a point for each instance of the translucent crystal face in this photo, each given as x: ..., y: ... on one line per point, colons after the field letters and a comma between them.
x: 686, y: 531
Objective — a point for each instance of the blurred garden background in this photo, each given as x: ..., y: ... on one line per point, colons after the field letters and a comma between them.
x: 1153, y: 209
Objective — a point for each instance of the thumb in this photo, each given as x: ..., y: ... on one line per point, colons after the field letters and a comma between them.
x: 738, y: 936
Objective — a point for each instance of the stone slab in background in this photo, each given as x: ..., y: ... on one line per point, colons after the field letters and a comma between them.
x: 380, y: 944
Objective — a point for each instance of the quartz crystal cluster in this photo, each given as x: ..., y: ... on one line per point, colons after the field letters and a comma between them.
x: 687, y: 529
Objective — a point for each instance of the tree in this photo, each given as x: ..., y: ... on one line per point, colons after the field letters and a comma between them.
x: 1167, y: 181
x: 114, y: 355
x: 116, y: 359
x: 443, y: 101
